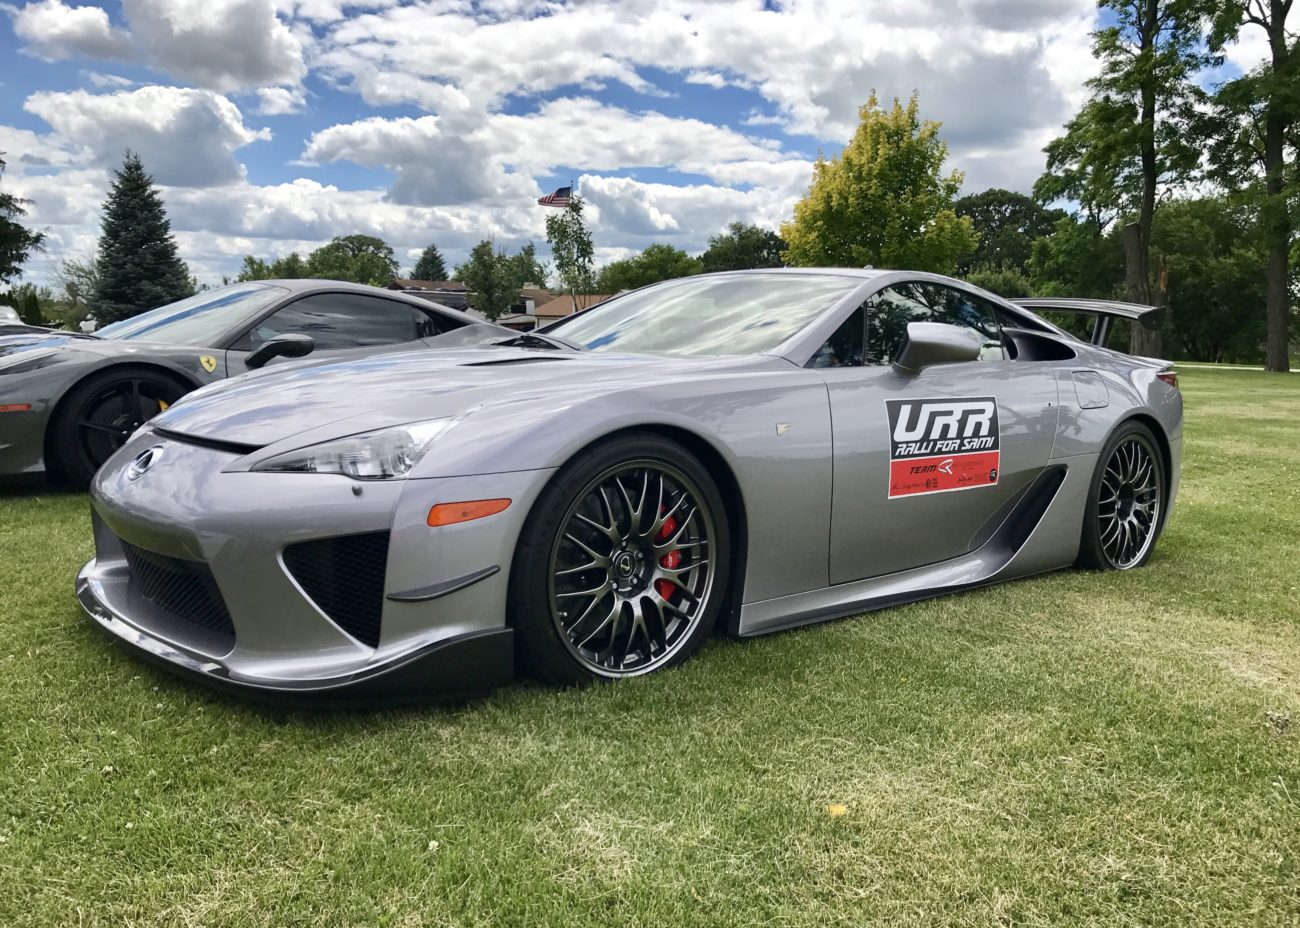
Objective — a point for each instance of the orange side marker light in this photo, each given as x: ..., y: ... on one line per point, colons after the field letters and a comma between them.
x: 451, y: 513
x: 16, y: 407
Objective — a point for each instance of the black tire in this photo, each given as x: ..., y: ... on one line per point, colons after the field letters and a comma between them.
x: 665, y: 620
x: 100, y: 413
x: 1127, y: 501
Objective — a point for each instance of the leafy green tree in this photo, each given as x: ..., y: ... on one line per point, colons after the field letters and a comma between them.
x: 77, y: 281
x: 1009, y: 282
x: 1255, y: 130
x: 883, y: 201
x: 1007, y: 224
x: 362, y: 259
x: 492, y: 279
x: 527, y: 268
x: 1078, y: 259
x: 430, y: 266
x: 290, y: 267
x: 1134, y: 137
x: 571, y: 249
x: 658, y: 262
x: 1214, y: 251
x: 137, y: 265
x: 743, y: 247
x: 17, y: 242
x: 35, y: 304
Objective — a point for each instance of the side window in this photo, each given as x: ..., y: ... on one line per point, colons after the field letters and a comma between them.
x: 890, y: 310
x: 429, y: 324
x: 844, y: 348
x: 338, y: 320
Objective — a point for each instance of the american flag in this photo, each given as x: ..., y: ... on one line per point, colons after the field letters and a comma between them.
x: 559, y: 198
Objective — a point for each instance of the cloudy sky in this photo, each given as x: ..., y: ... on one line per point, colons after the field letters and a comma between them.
x: 273, y: 125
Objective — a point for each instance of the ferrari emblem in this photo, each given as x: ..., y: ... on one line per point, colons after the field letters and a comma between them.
x: 209, y: 362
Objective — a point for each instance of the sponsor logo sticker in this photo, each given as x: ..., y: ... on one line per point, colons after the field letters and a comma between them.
x: 938, y: 445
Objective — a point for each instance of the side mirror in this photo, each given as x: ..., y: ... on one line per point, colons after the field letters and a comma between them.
x: 282, y: 346
x: 936, y: 343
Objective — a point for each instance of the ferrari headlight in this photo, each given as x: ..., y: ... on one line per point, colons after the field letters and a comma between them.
x: 383, y: 455
x: 20, y: 362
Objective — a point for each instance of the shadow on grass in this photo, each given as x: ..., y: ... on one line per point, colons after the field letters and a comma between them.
x: 30, y: 486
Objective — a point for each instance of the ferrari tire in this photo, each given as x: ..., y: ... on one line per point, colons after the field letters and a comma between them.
x: 1126, y: 501
x: 99, y: 414
x: 622, y: 565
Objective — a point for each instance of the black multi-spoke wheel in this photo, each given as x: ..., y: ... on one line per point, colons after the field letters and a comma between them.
x: 622, y: 566
x: 1126, y: 501
x: 99, y: 415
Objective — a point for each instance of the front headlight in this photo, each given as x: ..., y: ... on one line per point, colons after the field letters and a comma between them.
x: 22, y: 361
x: 383, y: 455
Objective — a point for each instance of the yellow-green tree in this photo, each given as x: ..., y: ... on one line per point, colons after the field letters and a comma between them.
x: 883, y: 200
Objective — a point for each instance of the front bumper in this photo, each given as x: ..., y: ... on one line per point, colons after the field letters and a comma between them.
x: 233, y: 614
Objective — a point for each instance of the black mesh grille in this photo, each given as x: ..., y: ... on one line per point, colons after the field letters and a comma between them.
x: 186, y: 589
x: 345, y: 577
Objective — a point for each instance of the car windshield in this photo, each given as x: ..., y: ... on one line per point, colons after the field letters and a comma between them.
x: 713, y: 315
x: 198, y: 320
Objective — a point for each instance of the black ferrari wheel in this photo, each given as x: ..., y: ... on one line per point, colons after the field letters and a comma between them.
x: 1125, y: 503
x: 621, y: 569
x: 99, y: 415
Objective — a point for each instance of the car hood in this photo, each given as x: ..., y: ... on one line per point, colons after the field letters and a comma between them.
x: 344, y: 398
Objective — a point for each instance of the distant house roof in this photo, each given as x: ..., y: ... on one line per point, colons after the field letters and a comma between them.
x: 402, y: 283
x: 563, y: 305
x: 539, y: 296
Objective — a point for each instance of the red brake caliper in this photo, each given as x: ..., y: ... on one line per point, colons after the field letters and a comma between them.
x: 671, y: 560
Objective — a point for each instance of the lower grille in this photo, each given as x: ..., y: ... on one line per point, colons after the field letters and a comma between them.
x: 344, y: 577
x: 185, y: 589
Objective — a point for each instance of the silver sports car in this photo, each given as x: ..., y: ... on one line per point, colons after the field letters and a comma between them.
x: 68, y: 401
x: 749, y: 451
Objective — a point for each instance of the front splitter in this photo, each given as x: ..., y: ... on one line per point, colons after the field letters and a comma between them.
x: 452, y: 669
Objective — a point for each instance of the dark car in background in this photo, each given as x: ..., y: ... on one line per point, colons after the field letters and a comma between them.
x: 69, y: 400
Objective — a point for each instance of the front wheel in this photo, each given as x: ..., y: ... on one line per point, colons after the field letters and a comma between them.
x: 1126, y: 503
x: 622, y: 566
x: 99, y: 414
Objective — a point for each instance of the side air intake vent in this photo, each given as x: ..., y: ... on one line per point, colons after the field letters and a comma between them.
x: 185, y: 589
x: 344, y: 577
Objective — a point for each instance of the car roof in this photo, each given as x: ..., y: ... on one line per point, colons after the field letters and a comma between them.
x: 314, y: 285
x: 862, y: 273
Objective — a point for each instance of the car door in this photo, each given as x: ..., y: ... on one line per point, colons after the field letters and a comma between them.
x: 923, y: 462
x: 338, y: 321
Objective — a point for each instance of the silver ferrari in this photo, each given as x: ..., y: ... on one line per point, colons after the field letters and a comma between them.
x: 68, y: 401
x: 741, y: 452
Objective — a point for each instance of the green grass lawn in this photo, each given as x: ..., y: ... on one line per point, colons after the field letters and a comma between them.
x: 1077, y: 749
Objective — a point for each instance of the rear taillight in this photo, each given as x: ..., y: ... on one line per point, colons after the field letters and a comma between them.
x: 1170, y: 377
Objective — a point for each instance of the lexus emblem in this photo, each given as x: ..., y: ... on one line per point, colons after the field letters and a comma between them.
x: 143, y: 461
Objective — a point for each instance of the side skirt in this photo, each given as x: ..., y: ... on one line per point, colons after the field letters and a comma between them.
x: 1039, y: 534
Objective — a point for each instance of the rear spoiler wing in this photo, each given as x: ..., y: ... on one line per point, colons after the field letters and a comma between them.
x: 1104, y: 313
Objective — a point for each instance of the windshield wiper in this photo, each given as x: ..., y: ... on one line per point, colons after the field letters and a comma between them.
x: 537, y: 339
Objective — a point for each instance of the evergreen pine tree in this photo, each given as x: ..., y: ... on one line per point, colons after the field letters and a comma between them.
x: 16, y: 241
x: 137, y: 262
x: 430, y: 265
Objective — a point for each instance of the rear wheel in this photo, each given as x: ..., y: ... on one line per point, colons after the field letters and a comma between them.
x: 1126, y: 503
x: 621, y: 568
x: 99, y: 414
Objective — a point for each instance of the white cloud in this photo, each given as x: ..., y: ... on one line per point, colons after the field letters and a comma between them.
x: 279, y: 101
x: 222, y: 45
x: 185, y: 137
x: 105, y: 81
x: 449, y: 159
x: 53, y: 30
